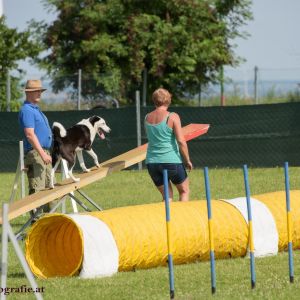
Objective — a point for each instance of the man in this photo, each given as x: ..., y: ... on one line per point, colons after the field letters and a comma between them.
x: 37, y: 138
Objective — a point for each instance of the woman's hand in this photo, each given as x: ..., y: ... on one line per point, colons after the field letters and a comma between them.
x: 189, y: 165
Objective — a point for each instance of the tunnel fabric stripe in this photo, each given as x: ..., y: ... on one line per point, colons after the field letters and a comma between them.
x: 101, y: 255
x: 264, y: 227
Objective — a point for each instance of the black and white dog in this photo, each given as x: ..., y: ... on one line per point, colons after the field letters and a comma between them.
x: 67, y: 143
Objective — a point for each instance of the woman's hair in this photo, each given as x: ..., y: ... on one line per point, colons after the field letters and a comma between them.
x: 161, y: 97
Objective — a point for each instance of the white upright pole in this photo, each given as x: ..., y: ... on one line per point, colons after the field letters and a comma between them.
x: 4, y: 248
x: 22, y: 168
x: 15, y: 185
x: 7, y: 233
x: 20, y: 171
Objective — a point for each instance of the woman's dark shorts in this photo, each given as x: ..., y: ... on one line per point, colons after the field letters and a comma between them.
x: 176, y: 173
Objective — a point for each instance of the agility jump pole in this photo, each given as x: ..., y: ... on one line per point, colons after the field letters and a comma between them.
x: 289, y: 223
x: 210, y: 230
x: 106, y: 168
x: 250, y: 227
x: 169, y: 235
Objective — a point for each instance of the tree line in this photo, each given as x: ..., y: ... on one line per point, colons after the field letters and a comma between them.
x: 178, y: 44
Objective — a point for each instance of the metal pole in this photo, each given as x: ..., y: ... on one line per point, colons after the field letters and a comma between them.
x: 251, y: 243
x: 22, y: 168
x: 15, y: 185
x: 169, y: 240
x: 79, y: 90
x: 138, y: 122
x: 199, y: 95
x: 8, y: 92
x: 23, y: 261
x: 210, y: 230
x: 289, y: 222
x: 89, y: 199
x: 255, y: 84
x: 4, y: 248
x: 145, y: 87
x: 64, y: 175
x: 20, y: 171
x: 222, y: 86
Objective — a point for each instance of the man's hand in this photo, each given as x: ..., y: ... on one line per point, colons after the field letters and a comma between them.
x: 46, y: 158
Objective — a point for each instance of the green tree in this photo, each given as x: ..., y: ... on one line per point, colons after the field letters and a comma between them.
x: 181, y: 43
x: 14, y: 46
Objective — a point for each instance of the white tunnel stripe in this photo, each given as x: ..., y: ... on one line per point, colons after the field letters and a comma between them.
x: 101, y: 255
x: 265, y: 234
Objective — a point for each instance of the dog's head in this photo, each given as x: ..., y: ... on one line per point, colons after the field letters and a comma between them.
x: 100, y: 126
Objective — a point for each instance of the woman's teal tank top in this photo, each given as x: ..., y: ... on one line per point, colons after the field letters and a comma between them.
x: 162, y: 144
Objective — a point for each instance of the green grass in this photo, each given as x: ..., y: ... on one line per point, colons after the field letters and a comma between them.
x: 192, y: 281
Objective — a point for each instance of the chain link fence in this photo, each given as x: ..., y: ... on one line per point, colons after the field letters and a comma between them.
x: 258, y: 135
x: 239, y: 87
x: 255, y: 86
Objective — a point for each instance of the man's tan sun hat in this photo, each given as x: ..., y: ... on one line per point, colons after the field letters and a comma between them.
x: 34, y: 85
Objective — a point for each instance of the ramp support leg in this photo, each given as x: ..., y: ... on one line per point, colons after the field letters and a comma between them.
x: 7, y: 233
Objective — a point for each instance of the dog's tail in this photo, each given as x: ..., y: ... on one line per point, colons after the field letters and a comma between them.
x: 58, y: 131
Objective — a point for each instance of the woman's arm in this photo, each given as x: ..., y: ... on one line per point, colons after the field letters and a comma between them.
x: 181, y: 140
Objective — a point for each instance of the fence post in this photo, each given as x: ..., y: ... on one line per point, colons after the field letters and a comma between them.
x: 255, y: 84
x: 138, y: 122
x: 222, y: 86
x: 144, y: 87
x: 200, y: 94
x: 79, y: 89
x: 8, y: 92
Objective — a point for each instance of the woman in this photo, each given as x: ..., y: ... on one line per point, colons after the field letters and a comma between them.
x: 167, y: 146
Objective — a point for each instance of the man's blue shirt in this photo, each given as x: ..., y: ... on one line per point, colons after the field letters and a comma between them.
x: 30, y: 116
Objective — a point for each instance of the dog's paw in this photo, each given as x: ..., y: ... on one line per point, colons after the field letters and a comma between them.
x: 76, y: 179
x: 51, y: 186
x: 87, y: 170
x: 98, y: 165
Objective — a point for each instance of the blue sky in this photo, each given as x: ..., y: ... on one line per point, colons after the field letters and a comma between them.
x: 274, y: 44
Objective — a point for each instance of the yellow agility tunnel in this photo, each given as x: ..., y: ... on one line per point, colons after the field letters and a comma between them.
x: 121, y: 239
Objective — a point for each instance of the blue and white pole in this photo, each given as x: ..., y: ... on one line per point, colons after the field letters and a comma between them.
x: 210, y: 230
x: 289, y: 221
x: 250, y: 228
x: 169, y: 241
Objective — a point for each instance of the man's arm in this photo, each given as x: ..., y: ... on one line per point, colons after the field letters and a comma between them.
x: 33, y: 140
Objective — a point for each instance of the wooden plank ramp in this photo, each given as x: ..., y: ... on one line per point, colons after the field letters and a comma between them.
x: 115, y: 164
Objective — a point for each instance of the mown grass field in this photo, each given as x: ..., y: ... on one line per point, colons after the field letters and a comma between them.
x: 192, y: 281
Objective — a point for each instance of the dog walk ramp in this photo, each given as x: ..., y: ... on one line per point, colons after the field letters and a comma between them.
x: 115, y: 164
